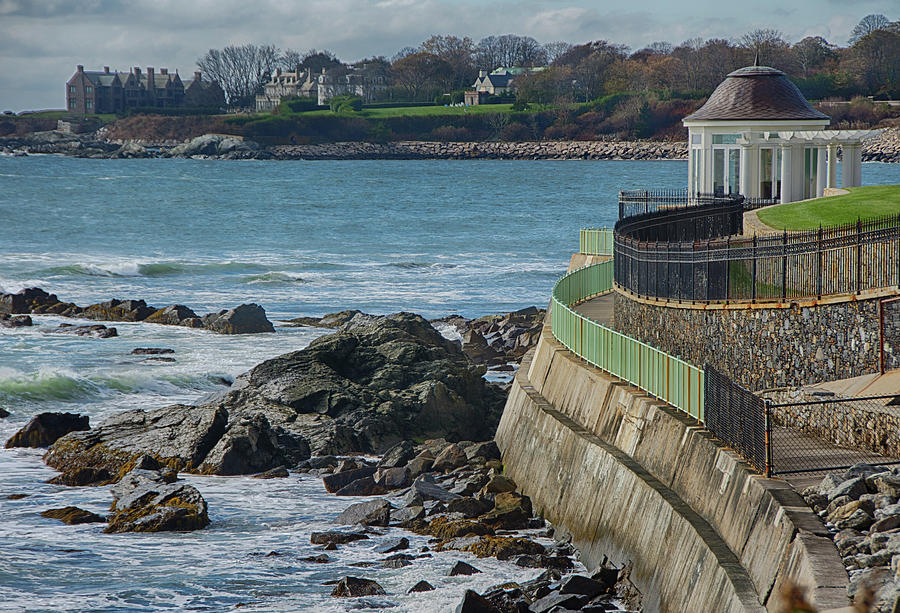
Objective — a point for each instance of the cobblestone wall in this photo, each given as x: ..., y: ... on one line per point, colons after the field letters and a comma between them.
x: 764, y: 347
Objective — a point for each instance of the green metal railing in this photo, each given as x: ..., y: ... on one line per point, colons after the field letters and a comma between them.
x: 656, y: 372
x: 596, y: 241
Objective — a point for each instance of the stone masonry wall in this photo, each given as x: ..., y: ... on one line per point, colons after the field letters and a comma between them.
x: 764, y: 347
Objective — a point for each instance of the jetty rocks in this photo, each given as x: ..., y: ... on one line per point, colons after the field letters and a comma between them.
x: 243, y: 319
x: 361, y: 389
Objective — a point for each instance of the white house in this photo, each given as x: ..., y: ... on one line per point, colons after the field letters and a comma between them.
x: 759, y: 137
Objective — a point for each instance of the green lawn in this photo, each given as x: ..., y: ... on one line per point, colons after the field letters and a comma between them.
x: 860, y: 203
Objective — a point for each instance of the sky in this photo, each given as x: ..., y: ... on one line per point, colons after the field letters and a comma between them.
x: 41, y: 41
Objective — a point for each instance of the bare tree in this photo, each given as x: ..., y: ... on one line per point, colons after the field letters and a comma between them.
x: 555, y: 49
x: 812, y: 52
x: 867, y: 25
x: 509, y: 50
x: 315, y: 61
x: 459, y: 53
x: 420, y: 72
x: 240, y: 70
x: 768, y: 46
x: 289, y: 60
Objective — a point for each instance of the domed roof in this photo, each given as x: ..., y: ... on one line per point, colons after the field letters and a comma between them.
x: 754, y: 93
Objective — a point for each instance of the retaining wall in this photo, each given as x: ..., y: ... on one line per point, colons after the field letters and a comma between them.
x: 766, y: 345
x: 636, y: 481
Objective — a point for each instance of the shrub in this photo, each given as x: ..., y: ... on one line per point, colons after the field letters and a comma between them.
x: 443, y: 100
x: 515, y: 132
x: 451, y: 134
x: 298, y: 105
x: 345, y: 104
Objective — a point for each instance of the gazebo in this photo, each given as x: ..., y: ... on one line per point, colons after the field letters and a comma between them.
x: 759, y: 137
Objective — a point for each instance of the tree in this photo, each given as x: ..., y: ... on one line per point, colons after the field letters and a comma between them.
x: 812, y: 52
x: 555, y: 49
x: 867, y: 25
x: 289, y: 60
x: 509, y: 50
x: 459, y: 53
x: 876, y: 58
x: 768, y: 46
x: 240, y: 70
x: 314, y: 61
x: 545, y: 86
x: 420, y: 73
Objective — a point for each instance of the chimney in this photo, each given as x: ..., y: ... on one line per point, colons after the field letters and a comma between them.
x: 106, y: 69
x: 323, y: 70
x: 197, y: 76
x: 80, y: 68
x: 482, y: 74
x: 164, y: 71
x: 137, y: 70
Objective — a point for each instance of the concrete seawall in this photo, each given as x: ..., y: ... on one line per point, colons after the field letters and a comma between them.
x: 635, y: 481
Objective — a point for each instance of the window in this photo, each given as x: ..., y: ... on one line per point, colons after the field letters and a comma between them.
x: 88, y: 90
x: 726, y: 164
x: 770, y: 172
x: 72, y: 89
x: 72, y: 103
x: 725, y: 139
x: 696, y: 154
x: 810, y: 171
x: 696, y: 139
x: 88, y: 104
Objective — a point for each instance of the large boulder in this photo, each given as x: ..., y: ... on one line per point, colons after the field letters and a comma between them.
x: 144, y: 501
x: 370, y: 386
x: 118, y: 310
x: 73, y: 516
x: 44, y: 429
x: 370, y: 513
x: 251, y: 445
x: 353, y: 587
x: 173, y: 315
x: 243, y: 319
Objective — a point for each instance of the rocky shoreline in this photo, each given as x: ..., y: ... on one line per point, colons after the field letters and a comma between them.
x: 883, y: 148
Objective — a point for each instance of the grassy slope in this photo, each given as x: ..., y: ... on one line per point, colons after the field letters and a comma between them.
x: 861, y: 202
x: 419, y: 111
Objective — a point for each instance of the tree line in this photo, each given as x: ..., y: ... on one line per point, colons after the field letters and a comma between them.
x: 868, y: 65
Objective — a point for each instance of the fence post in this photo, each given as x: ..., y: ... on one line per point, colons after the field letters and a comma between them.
x: 727, y: 268
x: 784, y: 265
x: 858, y: 254
x: 819, y: 264
x: 768, y: 426
x: 753, y: 288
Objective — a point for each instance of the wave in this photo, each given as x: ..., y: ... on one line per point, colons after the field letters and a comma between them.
x: 148, y: 269
x: 419, y: 265
x: 274, y: 278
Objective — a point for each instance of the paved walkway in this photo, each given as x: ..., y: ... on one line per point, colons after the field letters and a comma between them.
x: 599, y: 309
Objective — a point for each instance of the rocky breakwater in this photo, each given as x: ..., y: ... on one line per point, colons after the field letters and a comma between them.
x: 862, y: 508
x: 243, y: 319
x: 361, y: 389
x: 456, y: 494
x: 883, y: 148
x: 537, y: 150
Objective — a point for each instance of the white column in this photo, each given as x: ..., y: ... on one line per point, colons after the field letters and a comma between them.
x: 831, y: 179
x: 787, y: 178
x: 746, y: 172
x: 857, y: 165
x: 820, y: 171
x: 847, y: 171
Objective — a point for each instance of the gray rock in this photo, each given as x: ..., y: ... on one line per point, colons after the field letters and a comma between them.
x: 421, y: 586
x: 243, y: 319
x: 353, y: 587
x: 854, y: 488
x: 577, y: 584
x: 472, y: 602
x: 338, y: 480
x: 145, y: 502
x: 408, y: 514
x: 44, y: 429
x: 398, y: 544
x: 419, y: 465
x: 461, y: 568
x: 467, y: 507
x: 858, y: 520
x: 336, y: 537
x: 172, y: 315
x: 451, y: 457
x: 487, y: 450
x: 393, y: 478
x: 73, y: 516
x: 888, y: 484
x: 555, y: 599
x: 431, y: 491
x: 398, y: 455
x: 369, y: 513
x: 250, y: 445
x: 361, y: 487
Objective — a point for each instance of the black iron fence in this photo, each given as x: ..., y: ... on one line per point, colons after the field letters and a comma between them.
x: 658, y: 255
x: 834, y: 433
x: 642, y: 201
x: 738, y: 417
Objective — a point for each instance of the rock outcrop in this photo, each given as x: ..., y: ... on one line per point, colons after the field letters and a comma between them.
x: 243, y: 319
x: 44, y: 429
x: 73, y: 516
x: 145, y: 501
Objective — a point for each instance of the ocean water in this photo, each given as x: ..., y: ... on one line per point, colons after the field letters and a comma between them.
x: 299, y: 238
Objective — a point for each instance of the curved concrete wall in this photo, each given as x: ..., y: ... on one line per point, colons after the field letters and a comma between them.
x: 635, y: 481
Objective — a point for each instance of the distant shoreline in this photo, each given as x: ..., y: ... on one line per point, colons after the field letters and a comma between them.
x: 884, y: 148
